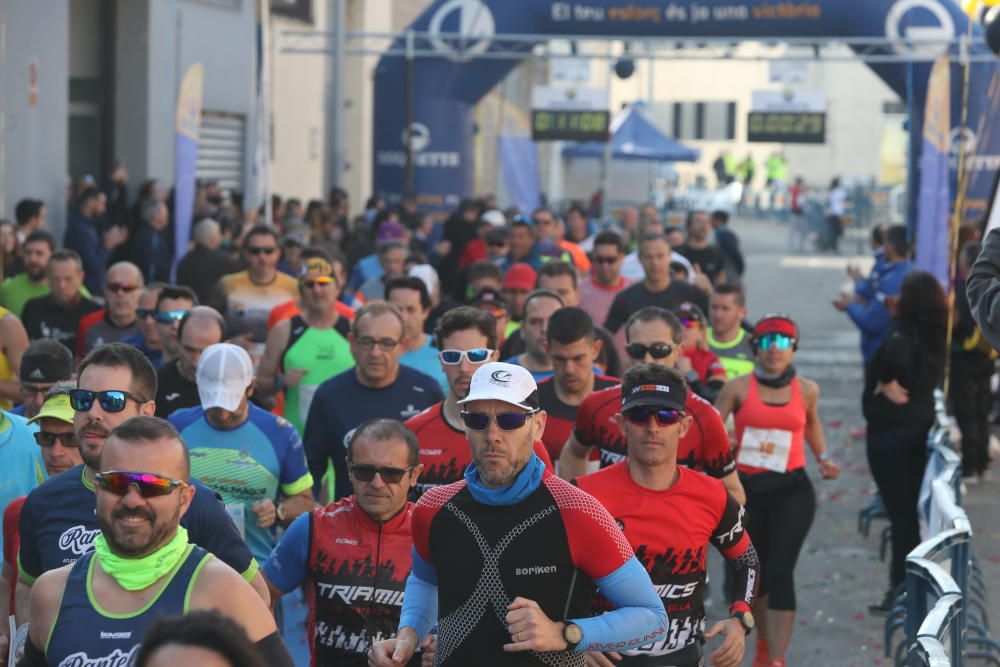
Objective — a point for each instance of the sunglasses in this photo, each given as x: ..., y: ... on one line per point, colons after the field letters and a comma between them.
x: 169, y: 316
x: 656, y: 350
x: 689, y: 323
x: 309, y: 283
x: 506, y: 421
x: 261, y: 251
x: 497, y: 244
x: 112, y: 400
x: 366, y: 473
x: 664, y: 417
x: 605, y: 260
x: 775, y: 342
x: 121, y: 288
x: 149, y: 485
x: 386, y: 344
x: 47, y: 439
x: 454, y: 357
x: 144, y: 313
x: 29, y: 391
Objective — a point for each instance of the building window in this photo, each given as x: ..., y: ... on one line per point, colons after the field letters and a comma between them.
x: 697, y: 121
x: 300, y: 10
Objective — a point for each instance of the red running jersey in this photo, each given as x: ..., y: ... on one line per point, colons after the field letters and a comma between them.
x: 704, y: 448
x: 706, y: 364
x: 560, y: 416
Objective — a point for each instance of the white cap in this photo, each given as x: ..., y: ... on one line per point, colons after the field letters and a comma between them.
x: 497, y: 381
x: 224, y: 373
x: 428, y: 275
x: 494, y: 217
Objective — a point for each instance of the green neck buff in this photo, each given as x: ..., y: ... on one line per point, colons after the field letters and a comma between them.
x: 134, y: 574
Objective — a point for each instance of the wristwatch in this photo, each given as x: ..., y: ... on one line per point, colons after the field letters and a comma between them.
x: 572, y: 634
x: 745, y: 618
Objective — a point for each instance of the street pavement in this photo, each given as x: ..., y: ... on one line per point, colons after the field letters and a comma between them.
x: 839, y: 572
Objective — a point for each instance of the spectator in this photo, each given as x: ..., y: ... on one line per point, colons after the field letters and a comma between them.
x: 10, y: 245
x: 871, y: 313
x: 83, y: 235
x: 147, y: 336
x: 195, y: 639
x: 600, y: 286
x: 798, y: 231
x: 898, y: 404
x: 538, y: 308
x: 30, y: 215
x: 836, y: 209
x: 43, y: 364
x: 176, y: 385
x: 729, y: 244
x: 247, y: 297
x: 152, y: 244
x: 203, y: 267
x: 378, y: 386
x: 172, y: 304
x: 117, y: 320
x: 409, y: 295
x: 16, y: 291
x: 392, y: 260
x: 705, y: 256
x: 573, y: 348
x: 57, y: 315
x: 657, y: 287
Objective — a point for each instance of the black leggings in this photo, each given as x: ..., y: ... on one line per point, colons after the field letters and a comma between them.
x: 780, y: 511
x: 897, y: 460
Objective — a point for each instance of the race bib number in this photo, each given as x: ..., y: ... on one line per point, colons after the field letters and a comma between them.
x: 765, y: 448
x: 238, y: 513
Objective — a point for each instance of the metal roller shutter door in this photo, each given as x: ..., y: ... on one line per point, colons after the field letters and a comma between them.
x: 221, y: 149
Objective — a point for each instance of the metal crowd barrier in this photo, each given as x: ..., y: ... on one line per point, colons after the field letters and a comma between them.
x: 941, y: 608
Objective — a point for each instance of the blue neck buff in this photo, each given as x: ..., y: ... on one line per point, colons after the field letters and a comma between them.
x: 523, y: 486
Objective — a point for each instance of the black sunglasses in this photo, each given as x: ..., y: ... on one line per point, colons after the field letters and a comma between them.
x: 656, y: 350
x: 261, y: 251
x: 113, y: 400
x: 506, y: 421
x: 664, y: 417
x: 605, y: 260
x: 145, y: 313
x: 364, y: 472
x: 47, y: 439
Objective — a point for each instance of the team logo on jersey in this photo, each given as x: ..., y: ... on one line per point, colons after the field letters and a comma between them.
x: 282, y: 422
x: 79, y: 540
x: 117, y: 658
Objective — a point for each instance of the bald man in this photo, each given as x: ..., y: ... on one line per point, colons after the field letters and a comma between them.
x: 117, y: 320
x: 145, y: 567
x: 176, y: 387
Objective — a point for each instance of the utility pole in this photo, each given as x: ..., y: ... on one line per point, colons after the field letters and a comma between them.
x: 335, y: 97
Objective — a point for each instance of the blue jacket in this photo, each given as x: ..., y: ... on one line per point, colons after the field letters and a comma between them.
x: 872, y: 316
x: 868, y: 287
x: 83, y: 236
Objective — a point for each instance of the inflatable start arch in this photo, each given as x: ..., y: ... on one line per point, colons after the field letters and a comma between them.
x: 445, y: 89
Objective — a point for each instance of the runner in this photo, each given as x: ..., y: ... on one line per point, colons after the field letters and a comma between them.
x: 250, y: 457
x: 654, y: 336
x: 117, y: 320
x: 142, y: 566
x: 703, y: 371
x: 57, y: 314
x: 58, y: 525
x: 175, y: 380
x: 573, y: 348
x: 467, y: 339
x: 776, y: 413
x: 670, y: 514
x: 727, y: 339
x: 43, y: 364
x: 410, y: 296
x: 489, y: 610
x: 538, y: 308
x: 173, y: 302
x: 147, y: 336
x: 353, y: 601
x: 309, y: 348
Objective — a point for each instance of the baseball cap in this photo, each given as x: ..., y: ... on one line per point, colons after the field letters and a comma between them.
x: 520, y: 276
x: 488, y: 297
x: 670, y: 393
x: 427, y: 274
x: 295, y: 238
x: 316, y: 266
x: 46, y: 361
x: 776, y: 323
x: 494, y: 218
x: 55, y: 407
x: 689, y: 311
x: 390, y: 230
x: 224, y: 373
x: 497, y: 381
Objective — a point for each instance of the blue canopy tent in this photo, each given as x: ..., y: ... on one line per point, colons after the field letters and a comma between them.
x: 634, y: 136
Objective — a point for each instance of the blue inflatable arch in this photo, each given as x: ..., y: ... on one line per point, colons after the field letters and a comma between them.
x: 444, y: 90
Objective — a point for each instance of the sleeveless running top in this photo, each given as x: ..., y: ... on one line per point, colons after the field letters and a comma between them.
x: 770, y: 438
x: 113, y: 639
x: 6, y: 372
x: 737, y: 356
x: 324, y: 353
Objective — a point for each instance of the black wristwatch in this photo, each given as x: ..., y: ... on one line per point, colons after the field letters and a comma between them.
x: 572, y: 634
x: 745, y: 618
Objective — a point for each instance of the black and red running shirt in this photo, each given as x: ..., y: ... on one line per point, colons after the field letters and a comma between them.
x: 705, y: 447
x: 561, y: 417
x: 444, y: 450
x: 670, y: 532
